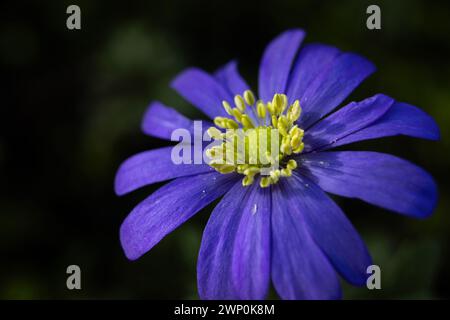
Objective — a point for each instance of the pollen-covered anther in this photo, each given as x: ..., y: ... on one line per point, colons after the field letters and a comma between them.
x: 261, y: 110
x: 249, y: 97
x: 240, y: 103
x: 253, y: 125
x: 215, y: 133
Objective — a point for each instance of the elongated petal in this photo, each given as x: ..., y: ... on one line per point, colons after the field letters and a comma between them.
x: 401, y: 119
x: 202, y: 90
x: 300, y: 270
x: 150, y: 167
x: 251, y: 255
x: 331, y: 230
x: 311, y: 61
x: 228, y: 75
x: 169, y: 207
x: 376, y: 178
x: 276, y: 63
x: 160, y: 121
x: 332, y: 86
x: 236, y: 242
x: 346, y: 121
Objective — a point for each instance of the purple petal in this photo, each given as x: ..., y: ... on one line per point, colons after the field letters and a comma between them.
x: 331, y: 230
x: 401, y: 119
x: 345, y: 121
x: 228, y: 75
x: 234, y: 258
x: 376, y: 178
x: 203, y: 91
x: 169, y: 207
x: 300, y: 270
x: 251, y: 255
x: 150, y: 167
x: 312, y: 60
x: 332, y: 86
x: 160, y: 121
x: 276, y: 63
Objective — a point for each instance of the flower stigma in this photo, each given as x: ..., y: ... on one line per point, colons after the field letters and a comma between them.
x: 258, y: 138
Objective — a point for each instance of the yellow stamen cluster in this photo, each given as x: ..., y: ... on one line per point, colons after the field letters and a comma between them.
x: 273, y: 120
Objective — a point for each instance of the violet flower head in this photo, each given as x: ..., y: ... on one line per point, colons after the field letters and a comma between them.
x: 279, y: 226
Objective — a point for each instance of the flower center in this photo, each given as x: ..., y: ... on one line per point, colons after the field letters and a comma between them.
x: 257, y: 139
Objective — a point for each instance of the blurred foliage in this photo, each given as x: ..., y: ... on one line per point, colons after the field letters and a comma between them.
x: 71, y: 111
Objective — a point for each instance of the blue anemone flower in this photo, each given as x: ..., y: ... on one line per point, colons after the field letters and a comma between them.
x: 281, y: 228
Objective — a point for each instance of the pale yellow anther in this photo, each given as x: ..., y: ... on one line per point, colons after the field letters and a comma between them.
x: 225, y: 168
x: 284, y: 102
x: 239, y: 102
x: 220, y: 122
x: 282, y: 125
x: 252, y: 171
x: 264, y: 182
x: 227, y: 107
x: 216, y: 163
x: 246, y: 122
x: 231, y: 124
x: 299, y: 148
x: 286, y: 140
x: 285, y: 145
x: 249, y: 97
x: 261, y: 110
x: 296, y: 110
x: 277, y: 103
x: 275, y: 175
x: 292, y: 164
x: 283, y: 121
x: 215, y: 133
x: 286, y: 148
x: 274, y: 180
x: 289, y: 111
x: 286, y: 172
x: 241, y: 168
x: 274, y: 121
x: 296, y: 135
x: 296, y: 131
x: 248, y: 180
x: 271, y: 108
x: 236, y: 114
x: 295, y: 141
x: 293, y: 130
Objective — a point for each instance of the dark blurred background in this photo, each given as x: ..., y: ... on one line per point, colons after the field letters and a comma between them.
x: 71, y: 107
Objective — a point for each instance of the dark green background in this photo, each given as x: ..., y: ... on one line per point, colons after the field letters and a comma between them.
x: 72, y: 103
